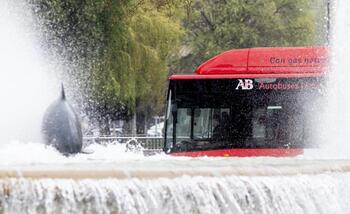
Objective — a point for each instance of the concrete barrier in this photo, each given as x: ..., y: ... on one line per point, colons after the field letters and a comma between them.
x: 103, y: 172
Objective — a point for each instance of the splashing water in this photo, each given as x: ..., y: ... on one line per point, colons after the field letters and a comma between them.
x: 226, y: 185
x: 233, y: 194
x: 24, y: 75
x: 337, y: 121
x: 232, y: 185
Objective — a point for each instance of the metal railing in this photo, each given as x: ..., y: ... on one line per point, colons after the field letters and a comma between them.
x: 146, y: 142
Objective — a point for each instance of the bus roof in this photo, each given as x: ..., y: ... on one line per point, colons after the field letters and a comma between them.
x: 263, y: 62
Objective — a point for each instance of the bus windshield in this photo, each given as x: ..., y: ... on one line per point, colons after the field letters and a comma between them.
x: 242, y: 113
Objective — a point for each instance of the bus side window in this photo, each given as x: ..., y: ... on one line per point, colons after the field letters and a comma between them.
x: 202, y: 123
x: 259, y: 123
x: 169, y: 123
x: 266, y: 125
x: 183, y: 125
x: 169, y: 131
x: 211, y: 123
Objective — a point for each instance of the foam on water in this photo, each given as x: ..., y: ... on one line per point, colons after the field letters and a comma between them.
x: 254, y: 185
x: 250, y: 185
x: 18, y: 154
x: 233, y: 194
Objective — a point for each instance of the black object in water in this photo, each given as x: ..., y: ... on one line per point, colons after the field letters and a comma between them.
x: 61, y: 127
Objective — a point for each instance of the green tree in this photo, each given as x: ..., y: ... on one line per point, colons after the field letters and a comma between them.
x: 115, y: 52
x: 91, y: 39
x: 219, y: 25
x: 154, y: 35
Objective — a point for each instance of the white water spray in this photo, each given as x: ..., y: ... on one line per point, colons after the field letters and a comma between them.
x: 336, y: 124
x: 24, y: 75
x: 24, y: 97
x: 234, y: 194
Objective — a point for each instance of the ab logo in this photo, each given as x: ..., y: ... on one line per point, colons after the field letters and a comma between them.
x: 246, y: 84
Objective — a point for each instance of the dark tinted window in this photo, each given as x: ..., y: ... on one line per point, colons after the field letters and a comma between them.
x: 269, y: 113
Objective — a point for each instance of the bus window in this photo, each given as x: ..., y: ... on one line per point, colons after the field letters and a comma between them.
x: 212, y: 118
x: 202, y: 123
x: 259, y: 123
x: 294, y: 125
x: 273, y: 113
x: 211, y: 123
x: 183, y: 125
x: 266, y: 126
x: 169, y: 131
x: 169, y: 124
x: 266, y: 123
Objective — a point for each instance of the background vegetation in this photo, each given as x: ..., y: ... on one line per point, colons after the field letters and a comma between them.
x: 119, y: 53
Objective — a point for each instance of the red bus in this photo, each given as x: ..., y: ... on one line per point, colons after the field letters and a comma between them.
x: 247, y: 102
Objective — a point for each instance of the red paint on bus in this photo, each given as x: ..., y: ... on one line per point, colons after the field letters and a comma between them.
x: 275, y: 152
x: 285, y: 62
x: 267, y: 61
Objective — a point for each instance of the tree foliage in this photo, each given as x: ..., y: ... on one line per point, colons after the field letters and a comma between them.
x: 219, y: 25
x: 118, y: 53
x: 90, y: 38
x: 154, y: 37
